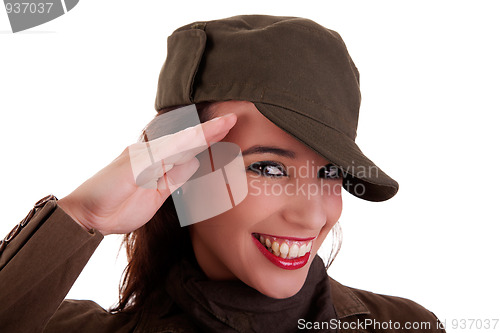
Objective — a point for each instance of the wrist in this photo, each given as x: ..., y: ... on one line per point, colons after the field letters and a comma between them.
x: 66, y: 206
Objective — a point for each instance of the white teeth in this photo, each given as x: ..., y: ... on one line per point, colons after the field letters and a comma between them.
x: 302, y: 250
x: 276, y: 248
x: 294, y: 251
x: 268, y: 243
x: 284, y: 250
x: 287, y: 249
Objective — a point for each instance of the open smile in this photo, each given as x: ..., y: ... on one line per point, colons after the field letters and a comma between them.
x: 286, y: 253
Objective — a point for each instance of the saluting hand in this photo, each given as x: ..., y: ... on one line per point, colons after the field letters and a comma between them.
x: 127, y: 193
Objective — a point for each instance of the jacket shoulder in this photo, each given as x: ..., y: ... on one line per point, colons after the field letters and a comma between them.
x: 385, y: 307
x: 87, y: 316
x: 382, y: 313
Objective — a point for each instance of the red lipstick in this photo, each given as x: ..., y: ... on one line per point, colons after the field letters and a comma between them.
x: 290, y: 264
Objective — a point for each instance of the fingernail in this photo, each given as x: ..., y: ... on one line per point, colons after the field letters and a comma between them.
x: 228, y: 115
x: 224, y: 116
x: 214, y: 119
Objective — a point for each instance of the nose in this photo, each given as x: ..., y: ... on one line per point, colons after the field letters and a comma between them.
x: 310, y: 210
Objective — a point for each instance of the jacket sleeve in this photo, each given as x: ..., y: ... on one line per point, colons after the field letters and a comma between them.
x: 39, y: 266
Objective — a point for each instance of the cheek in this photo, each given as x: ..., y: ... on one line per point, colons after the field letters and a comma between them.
x: 230, y: 230
x: 333, y: 202
x: 223, y: 242
x: 264, y: 199
x: 335, y: 210
x: 333, y: 206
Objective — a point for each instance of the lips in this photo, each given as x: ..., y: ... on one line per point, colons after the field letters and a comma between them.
x: 286, y: 253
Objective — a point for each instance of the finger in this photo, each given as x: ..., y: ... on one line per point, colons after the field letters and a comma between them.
x: 146, y: 173
x: 178, y: 175
x: 214, y: 130
x: 217, y: 128
x: 148, y: 159
x: 191, y: 139
x: 150, y: 175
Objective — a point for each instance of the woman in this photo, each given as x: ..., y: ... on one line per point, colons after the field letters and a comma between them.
x: 286, y: 92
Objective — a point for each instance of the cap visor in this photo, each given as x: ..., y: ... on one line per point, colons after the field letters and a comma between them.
x: 362, y: 177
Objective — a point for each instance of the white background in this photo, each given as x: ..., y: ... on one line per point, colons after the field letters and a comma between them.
x: 76, y: 91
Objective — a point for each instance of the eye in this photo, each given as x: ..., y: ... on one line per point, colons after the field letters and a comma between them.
x: 268, y: 169
x: 329, y: 171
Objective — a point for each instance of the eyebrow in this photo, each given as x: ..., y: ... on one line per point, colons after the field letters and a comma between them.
x: 257, y: 149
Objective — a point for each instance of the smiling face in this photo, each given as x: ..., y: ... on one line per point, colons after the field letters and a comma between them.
x: 269, y: 240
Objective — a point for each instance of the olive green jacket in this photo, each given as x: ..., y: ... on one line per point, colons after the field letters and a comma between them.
x: 43, y: 256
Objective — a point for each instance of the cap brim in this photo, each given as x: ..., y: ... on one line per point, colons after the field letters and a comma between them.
x: 362, y: 177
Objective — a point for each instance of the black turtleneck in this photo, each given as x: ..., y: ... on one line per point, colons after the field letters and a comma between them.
x: 232, y: 306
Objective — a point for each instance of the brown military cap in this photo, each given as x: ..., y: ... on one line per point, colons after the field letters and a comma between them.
x: 297, y: 73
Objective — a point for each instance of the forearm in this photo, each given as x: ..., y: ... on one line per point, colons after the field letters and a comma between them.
x: 39, y: 266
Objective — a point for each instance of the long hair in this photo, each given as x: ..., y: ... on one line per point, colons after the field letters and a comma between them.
x: 156, y: 246
x: 159, y: 244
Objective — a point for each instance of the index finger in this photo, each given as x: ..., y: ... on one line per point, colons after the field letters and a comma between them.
x: 150, y: 160
x: 179, y: 147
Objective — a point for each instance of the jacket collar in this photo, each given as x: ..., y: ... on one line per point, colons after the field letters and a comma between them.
x: 345, y: 302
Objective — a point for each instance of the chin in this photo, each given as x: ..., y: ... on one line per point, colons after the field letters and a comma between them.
x: 282, y: 285
x: 282, y: 294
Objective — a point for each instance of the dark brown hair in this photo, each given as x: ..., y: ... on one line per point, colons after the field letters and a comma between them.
x: 155, y: 247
